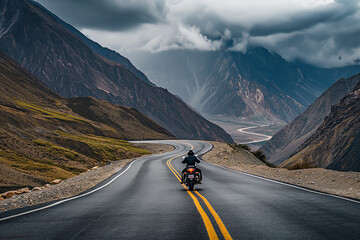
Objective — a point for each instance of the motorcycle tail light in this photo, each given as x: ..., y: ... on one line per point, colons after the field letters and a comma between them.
x: 191, y: 170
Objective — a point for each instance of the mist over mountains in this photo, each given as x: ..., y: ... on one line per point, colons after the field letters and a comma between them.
x: 257, y: 85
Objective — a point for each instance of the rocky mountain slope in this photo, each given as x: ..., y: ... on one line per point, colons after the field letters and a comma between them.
x: 102, y: 51
x: 336, y: 143
x: 286, y: 142
x: 256, y: 85
x: 68, y: 66
x: 42, y: 138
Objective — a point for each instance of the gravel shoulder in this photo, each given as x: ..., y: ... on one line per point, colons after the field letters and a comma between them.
x: 76, y: 185
x: 345, y: 184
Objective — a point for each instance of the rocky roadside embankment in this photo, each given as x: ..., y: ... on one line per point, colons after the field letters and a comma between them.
x: 69, y: 187
x: 345, y: 184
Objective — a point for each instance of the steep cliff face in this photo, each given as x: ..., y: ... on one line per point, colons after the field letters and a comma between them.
x: 254, y: 85
x: 286, y: 142
x: 336, y: 143
x: 67, y: 65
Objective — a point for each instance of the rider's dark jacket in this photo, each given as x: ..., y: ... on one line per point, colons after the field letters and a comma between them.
x: 190, y: 160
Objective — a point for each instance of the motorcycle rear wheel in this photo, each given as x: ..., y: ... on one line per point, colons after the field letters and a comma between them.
x: 191, y: 185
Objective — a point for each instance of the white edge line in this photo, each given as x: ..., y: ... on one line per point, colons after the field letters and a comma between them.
x: 287, y: 184
x: 75, y: 197
x: 278, y: 182
x: 71, y: 198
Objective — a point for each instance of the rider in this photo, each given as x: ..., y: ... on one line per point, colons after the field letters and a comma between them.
x: 191, y: 160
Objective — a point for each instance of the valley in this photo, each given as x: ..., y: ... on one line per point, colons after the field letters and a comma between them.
x: 263, y: 137
x: 250, y: 137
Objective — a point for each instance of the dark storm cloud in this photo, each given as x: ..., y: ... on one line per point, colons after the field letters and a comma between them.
x: 321, y: 32
x: 303, y: 20
x: 110, y: 15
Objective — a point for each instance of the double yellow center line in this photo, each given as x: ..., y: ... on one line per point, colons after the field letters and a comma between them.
x: 208, y: 225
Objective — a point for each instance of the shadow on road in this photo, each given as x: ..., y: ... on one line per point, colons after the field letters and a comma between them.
x: 196, y: 189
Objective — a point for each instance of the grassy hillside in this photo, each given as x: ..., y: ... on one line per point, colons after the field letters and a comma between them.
x: 42, y: 138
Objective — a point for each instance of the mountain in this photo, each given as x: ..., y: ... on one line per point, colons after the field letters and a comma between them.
x: 286, y: 142
x: 20, y: 88
x: 42, y: 138
x: 102, y: 51
x: 69, y: 67
x: 129, y: 123
x: 256, y: 85
x: 336, y: 143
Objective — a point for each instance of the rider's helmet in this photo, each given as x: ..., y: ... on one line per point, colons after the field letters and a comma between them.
x: 190, y: 153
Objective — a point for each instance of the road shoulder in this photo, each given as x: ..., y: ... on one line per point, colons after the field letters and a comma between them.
x: 346, y: 184
x: 75, y: 185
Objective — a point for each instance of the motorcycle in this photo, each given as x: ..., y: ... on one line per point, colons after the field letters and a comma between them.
x: 191, y: 177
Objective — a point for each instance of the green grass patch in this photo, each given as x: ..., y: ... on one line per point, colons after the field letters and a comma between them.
x: 51, y: 114
x: 57, y: 150
x: 41, y: 169
x: 107, y: 149
x: 42, y: 143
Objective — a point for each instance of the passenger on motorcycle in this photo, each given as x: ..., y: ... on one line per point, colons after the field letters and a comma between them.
x: 191, y: 160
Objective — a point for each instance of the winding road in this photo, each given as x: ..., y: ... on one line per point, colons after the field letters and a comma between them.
x: 146, y: 201
x: 265, y: 137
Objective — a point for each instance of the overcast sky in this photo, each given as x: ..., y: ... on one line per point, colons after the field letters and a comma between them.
x: 321, y: 32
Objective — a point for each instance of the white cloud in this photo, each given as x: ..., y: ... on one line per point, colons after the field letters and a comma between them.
x: 191, y: 38
x: 317, y: 31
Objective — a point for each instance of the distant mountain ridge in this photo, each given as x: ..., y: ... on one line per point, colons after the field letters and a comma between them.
x: 68, y: 66
x: 287, y: 141
x: 256, y: 85
x: 336, y: 143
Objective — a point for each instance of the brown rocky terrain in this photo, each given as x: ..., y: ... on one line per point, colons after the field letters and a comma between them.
x: 68, y: 66
x: 224, y: 153
x: 287, y: 141
x: 336, y: 143
x: 345, y: 184
x: 42, y: 139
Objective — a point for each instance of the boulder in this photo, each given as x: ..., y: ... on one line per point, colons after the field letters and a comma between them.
x: 47, y: 185
x: 22, y: 190
x: 56, y: 181
x: 96, y: 167
x: 8, y: 194
x: 36, y: 189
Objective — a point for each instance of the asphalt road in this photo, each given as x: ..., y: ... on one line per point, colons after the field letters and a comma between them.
x: 146, y: 201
